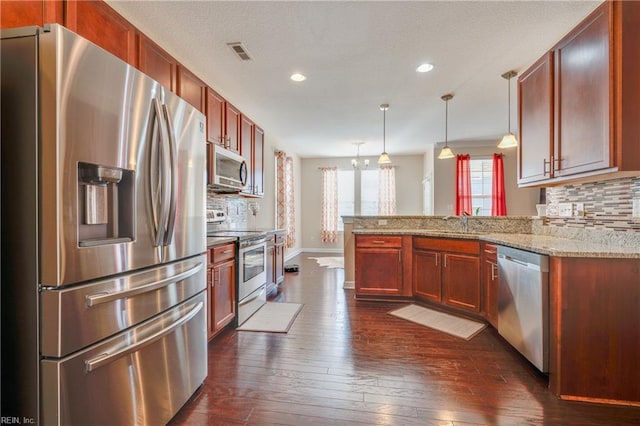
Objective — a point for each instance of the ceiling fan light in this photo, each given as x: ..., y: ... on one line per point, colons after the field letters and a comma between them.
x: 445, y: 153
x: 508, y: 141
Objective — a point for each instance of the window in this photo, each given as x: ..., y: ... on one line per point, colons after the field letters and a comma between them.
x: 369, y: 192
x: 481, y: 184
x: 346, y: 195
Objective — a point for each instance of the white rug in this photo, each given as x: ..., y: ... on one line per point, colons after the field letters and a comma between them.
x: 450, y: 324
x: 272, y: 317
x: 330, y: 262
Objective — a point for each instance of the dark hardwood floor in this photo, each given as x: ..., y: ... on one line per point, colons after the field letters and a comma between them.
x: 347, y: 363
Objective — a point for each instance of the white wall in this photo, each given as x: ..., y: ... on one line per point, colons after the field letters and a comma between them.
x: 409, y: 174
x: 520, y: 201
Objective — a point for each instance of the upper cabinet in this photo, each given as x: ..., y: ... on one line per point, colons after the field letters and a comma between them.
x: 252, y: 149
x: 578, y: 104
x: 24, y: 13
x: 156, y: 62
x: 99, y: 23
x: 191, y: 88
x: 223, y: 122
x: 258, y: 161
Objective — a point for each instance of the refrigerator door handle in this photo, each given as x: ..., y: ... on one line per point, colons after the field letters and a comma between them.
x: 97, y: 299
x: 107, y: 358
x: 173, y: 177
x: 158, y: 175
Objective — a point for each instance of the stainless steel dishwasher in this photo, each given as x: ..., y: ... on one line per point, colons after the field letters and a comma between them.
x: 523, y: 303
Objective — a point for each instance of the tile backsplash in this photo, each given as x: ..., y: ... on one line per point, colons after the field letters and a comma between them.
x: 234, y: 206
x: 607, y: 205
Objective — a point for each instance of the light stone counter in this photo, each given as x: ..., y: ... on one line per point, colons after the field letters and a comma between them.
x: 543, y: 244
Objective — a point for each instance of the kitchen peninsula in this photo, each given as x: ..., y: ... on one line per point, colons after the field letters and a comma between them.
x: 593, y: 300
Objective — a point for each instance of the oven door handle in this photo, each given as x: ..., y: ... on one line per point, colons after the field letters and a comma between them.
x: 97, y: 299
x: 249, y: 300
x: 106, y: 358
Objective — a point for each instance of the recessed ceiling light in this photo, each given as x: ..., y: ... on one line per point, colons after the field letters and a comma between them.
x: 298, y: 77
x: 424, y: 68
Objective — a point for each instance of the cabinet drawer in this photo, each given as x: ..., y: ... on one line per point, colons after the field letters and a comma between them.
x: 490, y: 252
x: 221, y: 253
x: 379, y: 241
x: 452, y: 245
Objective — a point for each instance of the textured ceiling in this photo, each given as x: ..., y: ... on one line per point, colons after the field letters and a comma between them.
x: 357, y: 55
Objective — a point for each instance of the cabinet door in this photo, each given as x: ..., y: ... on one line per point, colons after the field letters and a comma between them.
x: 224, y: 294
x: 258, y: 161
x: 583, y: 92
x: 246, y: 150
x: 210, y: 303
x: 461, y: 281
x: 427, y: 281
x: 279, y: 264
x: 232, y: 127
x: 191, y: 88
x: 24, y: 13
x: 215, y: 110
x: 156, y: 63
x: 271, y: 264
x: 99, y: 23
x: 490, y: 283
x: 535, y: 95
x: 378, y: 271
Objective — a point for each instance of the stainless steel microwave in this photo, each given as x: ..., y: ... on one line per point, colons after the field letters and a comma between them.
x: 229, y: 170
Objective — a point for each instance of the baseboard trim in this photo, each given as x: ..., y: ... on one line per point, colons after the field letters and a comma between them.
x: 349, y: 285
x: 323, y: 250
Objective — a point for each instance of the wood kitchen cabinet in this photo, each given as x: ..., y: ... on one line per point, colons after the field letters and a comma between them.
x: 591, y: 115
x: 380, y: 265
x: 191, y: 88
x: 252, y: 149
x: 156, y: 62
x: 223, y: 121
x: 99, y: 23
x: 275, y: 261
x: 490, y: 282
x: 221, y: 288
x: 594, y: 323
x: 24, y: 13
x: 447, y: 271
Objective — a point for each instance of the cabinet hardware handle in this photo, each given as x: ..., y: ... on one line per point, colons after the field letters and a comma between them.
x: 493, y: 272
x: 378, y: 241
x: 437, y: 255
x: 544, y: 166
x: 554, y: 161
x: 445, y: 260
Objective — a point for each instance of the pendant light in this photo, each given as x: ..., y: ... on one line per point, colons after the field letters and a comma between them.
x: 509, y: 140
x: 384, y: 157
x: 446, y: 151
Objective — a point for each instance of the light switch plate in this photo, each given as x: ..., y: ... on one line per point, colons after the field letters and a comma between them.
x: 578, y: 209
x: 382, y: 221
x: 565, y: 209
x: 636, y: 208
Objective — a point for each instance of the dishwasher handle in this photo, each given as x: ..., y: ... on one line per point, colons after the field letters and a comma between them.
x: 520, y: 262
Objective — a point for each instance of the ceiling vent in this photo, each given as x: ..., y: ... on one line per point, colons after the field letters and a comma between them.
x: 239, y: 49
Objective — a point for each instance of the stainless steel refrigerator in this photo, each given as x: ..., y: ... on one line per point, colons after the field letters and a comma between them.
x: 103, y: 237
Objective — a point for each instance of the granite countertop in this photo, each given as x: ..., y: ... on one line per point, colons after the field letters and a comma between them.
x: 214, y: 241
x: 543, y: 244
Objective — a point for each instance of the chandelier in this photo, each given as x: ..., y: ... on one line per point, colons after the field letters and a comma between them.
x: 356, y: 162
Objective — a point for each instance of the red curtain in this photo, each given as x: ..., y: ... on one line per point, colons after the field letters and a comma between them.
x: 463, y: 184
x: 498, y: 196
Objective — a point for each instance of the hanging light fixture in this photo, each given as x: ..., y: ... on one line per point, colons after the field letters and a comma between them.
x: 509, y: 140
x: 355, y: 162
x: 446, y: 151
x: 384, y: 157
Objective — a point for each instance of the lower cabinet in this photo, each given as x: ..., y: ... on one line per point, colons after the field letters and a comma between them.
x: 275, y: 261
x: 221, y: 288
x: 447, y: 271
x: 490, y: 282
x: 379, y: 266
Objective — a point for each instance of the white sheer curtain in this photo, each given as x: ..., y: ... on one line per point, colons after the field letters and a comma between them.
x: 329, y: 220
x: 386, y: 191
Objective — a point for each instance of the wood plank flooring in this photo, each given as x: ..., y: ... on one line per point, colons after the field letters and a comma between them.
x: 350, y: 363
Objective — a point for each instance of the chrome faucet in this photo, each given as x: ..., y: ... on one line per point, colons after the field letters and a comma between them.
x: 465, y: 222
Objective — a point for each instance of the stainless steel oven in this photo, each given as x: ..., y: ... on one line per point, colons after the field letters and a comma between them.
x: 252, y: 276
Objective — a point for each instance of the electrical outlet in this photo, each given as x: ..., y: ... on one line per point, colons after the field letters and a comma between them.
x: 382, y: 221
x: 636, y: 208
x: 565, y: 209
x: 578, y: 209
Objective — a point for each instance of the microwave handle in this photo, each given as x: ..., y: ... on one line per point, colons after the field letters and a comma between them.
x: 243, y: 173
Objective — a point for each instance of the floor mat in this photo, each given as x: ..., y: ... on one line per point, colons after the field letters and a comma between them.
x: 272, y: 317
x: 450, y: 324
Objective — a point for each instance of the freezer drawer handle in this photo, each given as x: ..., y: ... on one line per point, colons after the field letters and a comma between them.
x: 106, y: 358
x: 96, y: 299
